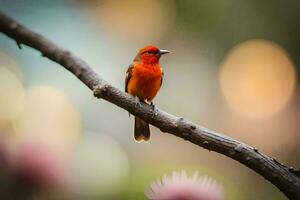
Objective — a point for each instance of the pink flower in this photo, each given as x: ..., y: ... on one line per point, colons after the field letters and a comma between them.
x: 181, y: 187
x: 38, y: 167
x: 3, y: 155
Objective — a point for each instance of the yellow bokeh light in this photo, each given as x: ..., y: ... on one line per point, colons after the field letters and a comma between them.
x: 135, y: 19
x: 10, y: 64
x: 11, y: 88
x: 257, y: 78
x: 48, y: 116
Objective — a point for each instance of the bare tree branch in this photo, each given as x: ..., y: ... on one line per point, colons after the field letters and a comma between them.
x: 284, y: 178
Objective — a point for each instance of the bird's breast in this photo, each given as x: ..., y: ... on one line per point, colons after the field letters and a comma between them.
x: 145, y: 82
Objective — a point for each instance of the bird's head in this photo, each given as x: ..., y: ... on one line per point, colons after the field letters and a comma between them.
x: 150, y: 54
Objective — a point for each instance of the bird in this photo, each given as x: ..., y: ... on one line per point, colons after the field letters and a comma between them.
x: 143, y: 80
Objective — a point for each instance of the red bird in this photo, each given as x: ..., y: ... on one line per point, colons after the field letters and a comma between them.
x: 143, y: 80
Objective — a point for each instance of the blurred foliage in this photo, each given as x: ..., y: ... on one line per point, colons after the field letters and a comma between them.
x: 230, y: 22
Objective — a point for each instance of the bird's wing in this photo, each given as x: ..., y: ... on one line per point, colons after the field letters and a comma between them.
x: 162, y: 77
x: 128, y: 76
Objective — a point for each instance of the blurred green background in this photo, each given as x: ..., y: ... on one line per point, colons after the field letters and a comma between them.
x: 233, y: 68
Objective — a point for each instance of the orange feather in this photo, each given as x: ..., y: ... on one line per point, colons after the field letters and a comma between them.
x: 145, y: 81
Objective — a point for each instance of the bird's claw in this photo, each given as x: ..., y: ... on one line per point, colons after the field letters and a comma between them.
x: 137, y: 101
x: 152, y: 105
x: 154, y: 108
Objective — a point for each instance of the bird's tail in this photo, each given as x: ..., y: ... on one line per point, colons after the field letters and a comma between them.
x: 141, y: 130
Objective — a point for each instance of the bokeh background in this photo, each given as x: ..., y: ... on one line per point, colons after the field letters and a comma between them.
x: 233, y: 68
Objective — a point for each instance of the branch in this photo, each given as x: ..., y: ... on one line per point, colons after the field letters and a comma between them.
x: 284, y: 178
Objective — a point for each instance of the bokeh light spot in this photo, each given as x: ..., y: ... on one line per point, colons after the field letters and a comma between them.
x: 11, y: 95
x: 10, y: 64
x: 48, y: 115
x: 257, y: 78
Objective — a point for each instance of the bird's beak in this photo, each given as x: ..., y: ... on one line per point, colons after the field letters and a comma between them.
x: 161, y: 52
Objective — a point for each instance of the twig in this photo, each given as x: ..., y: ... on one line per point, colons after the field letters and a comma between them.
x: 284, y: 178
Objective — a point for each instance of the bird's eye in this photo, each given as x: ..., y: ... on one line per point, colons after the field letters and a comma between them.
x: 151, y: 52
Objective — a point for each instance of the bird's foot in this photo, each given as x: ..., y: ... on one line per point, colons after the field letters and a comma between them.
x: 154, y: 108
x: 137, y: 101
x: 152, y: 105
